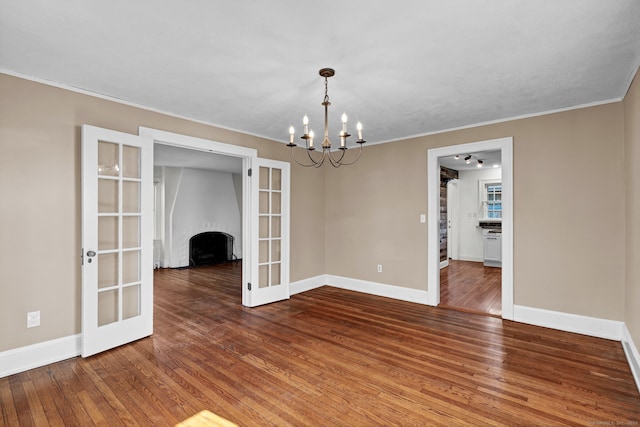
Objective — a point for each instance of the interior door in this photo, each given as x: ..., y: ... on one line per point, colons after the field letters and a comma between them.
x: 117, y: 239
x: 269, y: 232
x: 453, y: 208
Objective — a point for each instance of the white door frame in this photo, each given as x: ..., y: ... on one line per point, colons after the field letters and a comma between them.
x: 246, y: 154
x: 505, y: 145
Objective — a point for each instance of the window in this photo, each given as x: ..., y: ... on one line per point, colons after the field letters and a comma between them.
x: 493, y: 192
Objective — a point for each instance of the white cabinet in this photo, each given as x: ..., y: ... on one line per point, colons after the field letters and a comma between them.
x: 492, y: 240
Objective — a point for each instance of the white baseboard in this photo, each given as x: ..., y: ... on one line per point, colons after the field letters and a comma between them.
x: 633, y: 356
x: 444, y: 263
x: 307, y: 284
x: 40, y: 354
x: 592, y: 326
x: 471, y: 258
x: 380, y: 289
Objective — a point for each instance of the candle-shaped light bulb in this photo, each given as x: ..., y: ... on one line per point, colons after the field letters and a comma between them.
x: 344, y: 123
x: 359, y: 127
x: 305, y: 122
x: 292, y: 132
x: 310, y: 139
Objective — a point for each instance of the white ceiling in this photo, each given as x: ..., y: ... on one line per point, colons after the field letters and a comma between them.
x: 167, y: 155
x: 489, y: 159
x: 403, y: 68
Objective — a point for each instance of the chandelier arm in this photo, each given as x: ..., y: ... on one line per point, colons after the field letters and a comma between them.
x: 314, y: 163
x: 336, y: 163
x: 353, y: 161
x: 317, y: 163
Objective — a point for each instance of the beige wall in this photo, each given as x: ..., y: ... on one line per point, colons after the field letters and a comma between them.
x: 632, y: 160
x: 40, y: 201
x: 569, y: 233
x: 568, y: 221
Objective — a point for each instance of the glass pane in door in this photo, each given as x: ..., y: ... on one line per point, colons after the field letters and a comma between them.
x: 107, y: 196
x: 107, y: 307
x: 263, y: 276
x: 130, y: 232
x: 107, y: 270
x: 108, y: 159
x: 130, y: 267
x: 107, y: 233
x: 130, y: 301
x: 275, y: 274
x: 131, y: 197
x: 263, y: 252
x: 276, y: 179
x: 130, y: 162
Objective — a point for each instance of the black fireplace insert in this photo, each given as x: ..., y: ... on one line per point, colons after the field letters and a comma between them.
x: 210, y: 247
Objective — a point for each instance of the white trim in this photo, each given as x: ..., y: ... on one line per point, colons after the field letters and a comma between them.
x: 307, y: 284
x: 444, y: 263
x: 470, y: 258
x: 283, y: 140
x: 505, y: 145
x: 247, y: 154
x: 585, y: 325
x: 36, y: 355
x: 130, y: 104
x: 508, y: 119
x: 379, y: 289
x: 633, y: 356
x: 192, y: 142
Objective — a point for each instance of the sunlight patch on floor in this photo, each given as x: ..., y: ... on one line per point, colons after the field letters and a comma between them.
x: 206, y: 419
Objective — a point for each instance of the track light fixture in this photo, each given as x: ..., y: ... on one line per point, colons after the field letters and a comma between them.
x: 468, y: 158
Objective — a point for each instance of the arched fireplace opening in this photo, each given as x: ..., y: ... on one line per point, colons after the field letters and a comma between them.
x: 210, y: 247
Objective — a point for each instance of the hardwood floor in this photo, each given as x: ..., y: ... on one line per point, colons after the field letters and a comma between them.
x: 472, y: 287
x: 327, y: 357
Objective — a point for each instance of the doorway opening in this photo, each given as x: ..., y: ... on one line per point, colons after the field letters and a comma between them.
x: 458, y: 239
x: 470, y: 230
x: 201, y: 159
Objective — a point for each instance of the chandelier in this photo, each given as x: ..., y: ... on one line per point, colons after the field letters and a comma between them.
x: 317, y: 160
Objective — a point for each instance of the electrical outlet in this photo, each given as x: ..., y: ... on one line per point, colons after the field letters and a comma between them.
x: 33, y: 319
x: 379, y: 268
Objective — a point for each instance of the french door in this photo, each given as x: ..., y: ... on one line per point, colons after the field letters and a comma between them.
x: 269, y: 278
x: 117, y: 233
x: 117, y: 240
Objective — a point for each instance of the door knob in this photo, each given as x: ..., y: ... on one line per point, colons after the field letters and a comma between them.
x: 90, y: 254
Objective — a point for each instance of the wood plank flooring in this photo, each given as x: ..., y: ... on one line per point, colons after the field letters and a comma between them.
x: 472, y: 287
x: 327, y: 357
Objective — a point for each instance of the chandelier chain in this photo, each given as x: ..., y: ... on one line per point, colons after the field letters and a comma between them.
x: 326, y: 89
